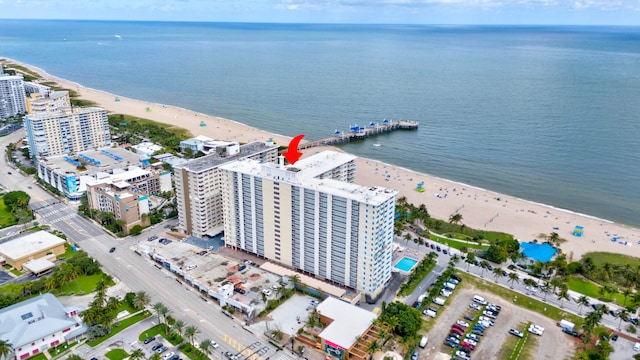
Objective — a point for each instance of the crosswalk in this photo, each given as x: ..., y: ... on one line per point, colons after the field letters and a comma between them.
x: 254, y: 351
x: 63, y: 218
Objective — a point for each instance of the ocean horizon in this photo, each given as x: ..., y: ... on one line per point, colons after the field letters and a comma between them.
x: 543, y: 113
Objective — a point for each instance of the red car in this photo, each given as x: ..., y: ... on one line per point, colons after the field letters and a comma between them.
x: 457, y: 331
x: 467, y: 345
x: 458, y: 326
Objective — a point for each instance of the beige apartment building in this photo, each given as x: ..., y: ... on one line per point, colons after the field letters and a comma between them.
x: 198, y: 189
x: 67, y: 131
x: 115, y: 196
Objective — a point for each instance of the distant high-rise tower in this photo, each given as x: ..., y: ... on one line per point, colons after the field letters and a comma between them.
x: 311, y: 217
x: 66, y: 131
x: 12, y: 96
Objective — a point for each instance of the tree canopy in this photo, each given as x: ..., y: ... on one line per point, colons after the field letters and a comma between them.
x: 408, y: 320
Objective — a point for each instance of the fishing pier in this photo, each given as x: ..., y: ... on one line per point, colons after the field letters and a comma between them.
x: 358, y: 132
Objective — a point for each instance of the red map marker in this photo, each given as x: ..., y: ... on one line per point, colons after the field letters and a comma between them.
x: 292, y: 154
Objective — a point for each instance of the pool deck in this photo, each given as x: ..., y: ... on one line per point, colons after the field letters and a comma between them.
x: 402, y: 253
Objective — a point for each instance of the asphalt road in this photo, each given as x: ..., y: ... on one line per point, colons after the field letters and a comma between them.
x: 137, y: 273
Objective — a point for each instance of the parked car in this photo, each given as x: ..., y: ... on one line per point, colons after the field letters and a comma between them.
x: 266, y: 292
x: 156, y: 346
x: 450, y: 343
x: 462, y: 355
x: 456, y: 277
x: 414, y: 356
x: 474, y: 306
x: 162, y: 349
x: 452, y: 339
x: 477, y: 332
x: 484, y: 318
x: 516, y: 332
x: 463, y: 323
x: 149, y: 339
x: 169, y: 355
x: 468, y: 317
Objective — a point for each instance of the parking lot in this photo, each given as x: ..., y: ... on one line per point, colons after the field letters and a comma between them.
x: 553, y: 344
x: 161, y: 346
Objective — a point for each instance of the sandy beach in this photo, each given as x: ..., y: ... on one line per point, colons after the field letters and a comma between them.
x: 481, y: 209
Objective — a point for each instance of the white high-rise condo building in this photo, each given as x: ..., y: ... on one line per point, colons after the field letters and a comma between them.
x: 311, y: 217
x: 67, y: 131
x: 12, y: 96
x: 197, y: 184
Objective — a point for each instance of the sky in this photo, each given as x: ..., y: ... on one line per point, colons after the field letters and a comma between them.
x: 543, y: 12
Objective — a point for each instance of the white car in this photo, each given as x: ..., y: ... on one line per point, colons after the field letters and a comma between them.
x: 488, y: 314
x: 462, y: 355
x: 214, y: 344
x: 486, y: 319
x: 516, y: 332
x: 267, y: 292
x: 636, y: 347
x: 471, y: 341
x: 531, y: 289
x: 462, y: 323
x: 445, y: 293
x: 191, y: 267
x: 534, y: 329
x: 474, y: 306
x: 167, y: 356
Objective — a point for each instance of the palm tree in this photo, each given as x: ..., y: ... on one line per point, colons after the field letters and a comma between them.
x: 623, y: 314
x: 137, y: 354
x: 372, y: 347
x: 582, y: 301
x: 471, y: 259
x: 178, y: 326
x: 407, y: 238
x: 205, y: 346
x: 383, y: 334
x: 155, y: 356
x: 497, y: 272
x: 513, y: 277
x: 455, y: 218
x: 190, y: 333
x: 295, y: 280
x: 393, y: 322
x: 161, y: 310
x: 455, y: 259
x: 75, y: 357
x: 141, y: 300
x: 484, y: 264
x: 5, y: 349
x: 563, y: 294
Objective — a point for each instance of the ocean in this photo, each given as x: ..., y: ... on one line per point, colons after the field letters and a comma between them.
x: 548, y: 114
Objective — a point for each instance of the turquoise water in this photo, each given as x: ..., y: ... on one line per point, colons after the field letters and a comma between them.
x: 548, y: 114
x: 405, y: 264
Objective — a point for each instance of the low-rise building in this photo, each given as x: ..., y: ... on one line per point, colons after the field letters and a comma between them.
x: 346, y: 327
x: 116, y: 196
x: 35, y: 325
x: 70, y: 174
x: 146, y: 149
x: 18, y: 251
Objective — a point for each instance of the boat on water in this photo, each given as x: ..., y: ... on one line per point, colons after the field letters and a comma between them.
x: 377, y: 145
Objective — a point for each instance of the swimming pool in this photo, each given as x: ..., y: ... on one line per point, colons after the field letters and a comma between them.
x: 406, y: 264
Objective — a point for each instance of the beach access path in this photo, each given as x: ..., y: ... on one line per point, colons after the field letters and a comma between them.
x: 481, y: 209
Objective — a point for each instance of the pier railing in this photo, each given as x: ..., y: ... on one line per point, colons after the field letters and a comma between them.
x: 362, y: 133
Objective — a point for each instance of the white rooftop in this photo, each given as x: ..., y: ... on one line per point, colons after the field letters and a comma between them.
x: 39, y: 265
x: 349, y: 321
x: 304, y: 175
x: 29, y: 244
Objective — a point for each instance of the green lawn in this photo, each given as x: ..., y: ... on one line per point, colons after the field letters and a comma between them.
x: 152, y: 331
x: 600, y: 258
x: 456, y: 244
x: 192, y: 352
x: 67, y: 253
x: 6, y: 217
x: 591, y: 289
x: 123, y: 325
x: 507, y: 294
x: 116, y: 354
x: 16, y: 272
x: 83, y: 284
x: 40, y: 356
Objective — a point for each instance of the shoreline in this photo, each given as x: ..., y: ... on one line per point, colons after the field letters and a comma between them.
x: 481, y: 208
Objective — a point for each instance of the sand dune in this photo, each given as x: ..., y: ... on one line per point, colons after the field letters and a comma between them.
x: 481, y: 209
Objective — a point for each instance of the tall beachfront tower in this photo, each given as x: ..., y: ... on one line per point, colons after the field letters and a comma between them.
x: 198, y: 189
x: 311, y: 217
x: 12, y: 96
x: 68, y: 130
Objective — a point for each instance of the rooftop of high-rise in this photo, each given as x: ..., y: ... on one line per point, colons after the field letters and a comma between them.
x: 213, y: 160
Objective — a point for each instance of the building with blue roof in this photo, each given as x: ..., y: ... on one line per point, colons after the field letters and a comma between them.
x: 536, y: 252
